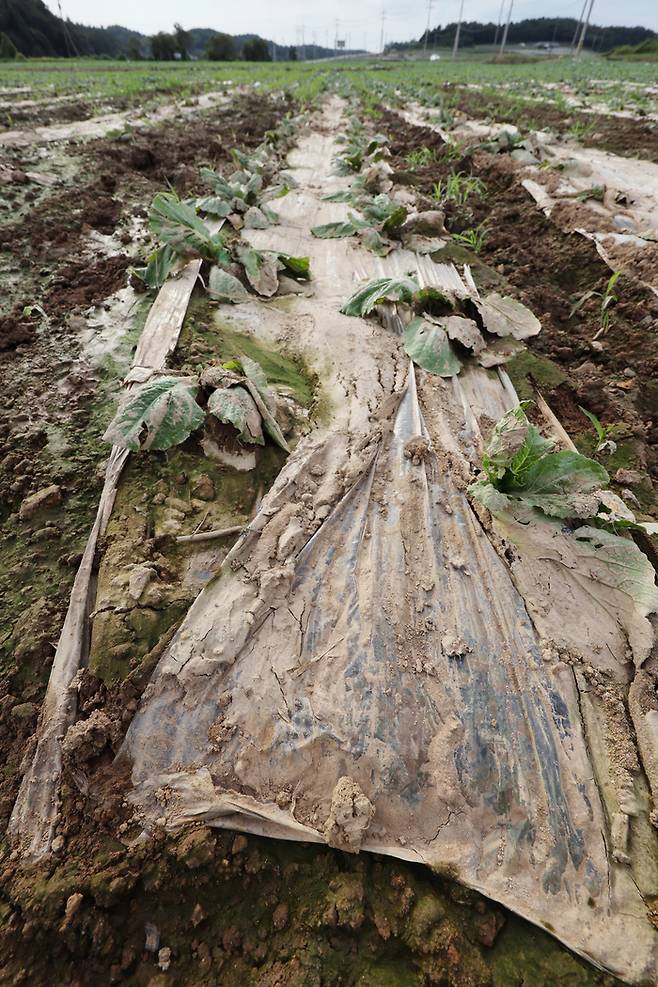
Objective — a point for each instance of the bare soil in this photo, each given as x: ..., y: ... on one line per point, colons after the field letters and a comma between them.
x: 549, y: 270
x: 620, y: 135
x: 231, y: 909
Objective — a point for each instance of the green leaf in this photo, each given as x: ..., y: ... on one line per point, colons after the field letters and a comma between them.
x: 534, y: 447
x: 429, y: 347
x: 343, y: 228
x: 298, y: 267
x: 235, y: 406
x: 165, y: 409
x: 158, y: 267
x: 343, y: 196
x: 380, y: 290
x: 224, y: 287
x: 598, y: 427
x: 506, y: 441
x: 261, y: 269
x: 177, y: 224
x: 504, y: 316
x: 561, y: 473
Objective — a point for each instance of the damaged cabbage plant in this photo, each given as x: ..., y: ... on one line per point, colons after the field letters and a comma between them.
x: 234, y: 265
x: 524, y: 474
x: 164, y: 411
x: 443, y: 329
x: 384, y: 222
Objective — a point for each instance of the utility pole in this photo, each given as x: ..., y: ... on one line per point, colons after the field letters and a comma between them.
x: 584, y: 30
x: 381, y: 36
x: 458, y: 31
x: 500, y: 21
x: 505, y: 32
x: 336, y: 39
x: 580, y: 21
x: 303, y: 46
x: 427, y: 29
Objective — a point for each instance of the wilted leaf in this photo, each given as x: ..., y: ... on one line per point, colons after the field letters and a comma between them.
x: 261, y: 269
x: 364, y: 300
x: 255, y: 219
x: 236, y: 406
x: 504, y: 316
x: 165, y: 409
x: 224, y: 287
x: 376, y: 243
x: 214, y: 205
x: 464, y: 331
x: 176, y: 222
x: 158, y: 267
x: 335, y: 231
x: 428, y: 346
x: 343, y: 196
x: 558, y: 473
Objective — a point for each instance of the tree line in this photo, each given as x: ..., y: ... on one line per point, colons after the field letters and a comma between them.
x: 534, y: 30
x: 29, y: 28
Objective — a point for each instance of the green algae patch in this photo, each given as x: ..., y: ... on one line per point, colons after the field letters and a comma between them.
x: 529, y: 372
x: 207, y: 337
x: 160, y: 497
x: 524, y: 955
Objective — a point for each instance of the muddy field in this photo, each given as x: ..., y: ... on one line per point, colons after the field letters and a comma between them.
x: 115, y: 902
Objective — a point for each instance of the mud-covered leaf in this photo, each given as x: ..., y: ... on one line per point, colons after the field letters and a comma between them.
x: 504, y: 316
x: 255, y: 373
x: 261, y: 269
x: 255, y: 219
x: 463, y: 331
x: 344, y: 195
x: 338, y: 230
x: 214, y: 205
x: 514, y: 441
x: 499, y: 351
x: 156, y: 415
x: 177, y: 224
x: 235, y: 406
x: 373, y: 241
x: 158, y: 267
x: 364, y: 300
x: 429, y: 347
x: 225, y: 287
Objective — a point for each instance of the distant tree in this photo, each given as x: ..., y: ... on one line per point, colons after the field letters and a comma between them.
x: 221, y: 48
x: 7, y: 49
x: 134, y: 50
x: 163, y: 47
x: 292, y: 54
x: 256, y: 50
x: 182, y: 41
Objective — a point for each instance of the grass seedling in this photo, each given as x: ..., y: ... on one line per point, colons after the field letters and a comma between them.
x: 474, y: 239
x: 604, y: 443
x: 608, y: 299
x: 458, y: 188
x: 420, y: 157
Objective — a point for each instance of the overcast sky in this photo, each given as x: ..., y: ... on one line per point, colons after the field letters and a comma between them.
x: 359, y: 24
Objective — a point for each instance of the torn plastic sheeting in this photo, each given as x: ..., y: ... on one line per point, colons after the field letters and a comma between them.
x: 393, y: 649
